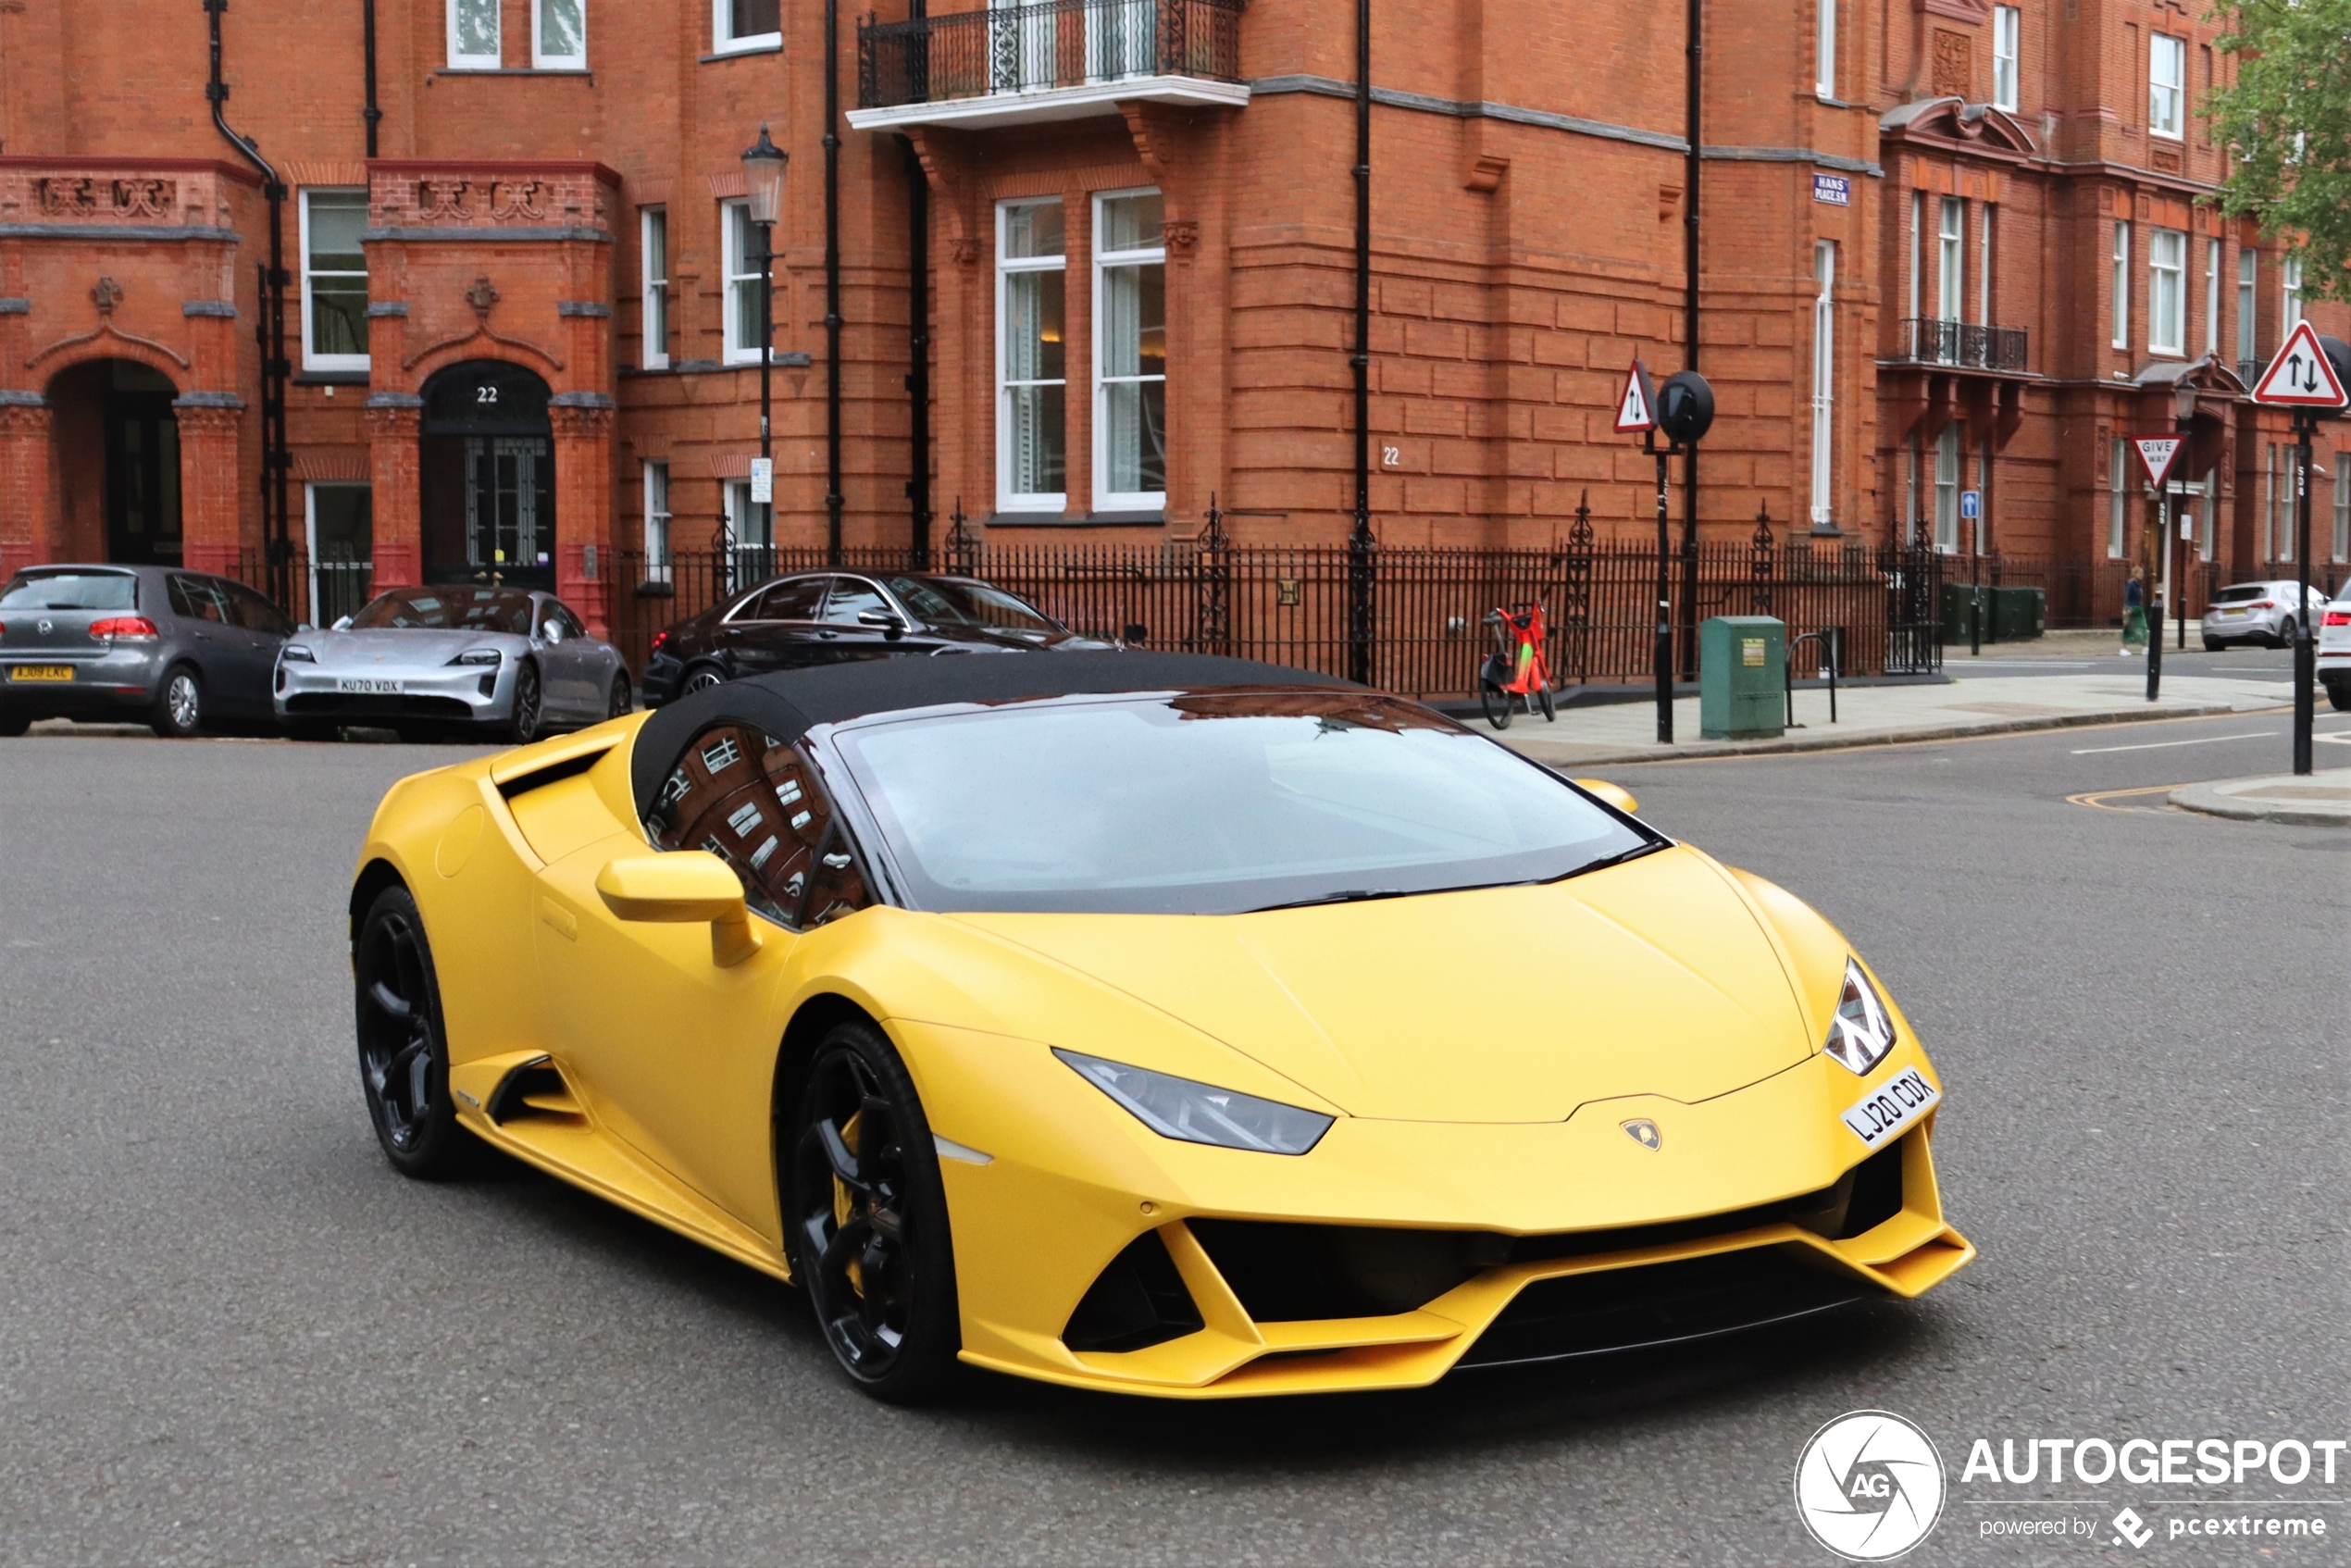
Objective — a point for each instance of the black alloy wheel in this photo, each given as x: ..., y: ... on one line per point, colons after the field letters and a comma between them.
x: 624, y: 702
x: 2285, y: 632
x: 1496, y: 703
x: 403, y: 1069
x: 179, y: 704
x: 868, y: 1224
x: 702, y: 677
x: 522, y: 726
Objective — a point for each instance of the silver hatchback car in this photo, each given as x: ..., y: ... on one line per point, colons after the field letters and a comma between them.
x: 507, y: 661
x: 156, y: 645
x: 2260, y: 612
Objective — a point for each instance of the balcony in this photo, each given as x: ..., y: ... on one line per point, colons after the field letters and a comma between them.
x: 1061, y: 59
x: 1962, y: 345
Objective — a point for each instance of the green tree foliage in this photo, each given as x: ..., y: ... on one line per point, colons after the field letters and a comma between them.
x: 2288, y: 116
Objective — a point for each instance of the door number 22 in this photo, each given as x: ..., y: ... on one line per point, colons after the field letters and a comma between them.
x: 1390, y: 456
x: 485, y: 395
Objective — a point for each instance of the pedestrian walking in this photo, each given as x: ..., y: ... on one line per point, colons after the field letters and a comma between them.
x: 2134, y: 617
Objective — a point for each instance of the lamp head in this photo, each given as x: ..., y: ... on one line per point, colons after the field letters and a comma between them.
x: 764, y: 164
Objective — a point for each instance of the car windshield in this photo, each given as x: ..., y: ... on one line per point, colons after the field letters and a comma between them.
x: 71, y: 591
x: 947, y: 602
x: 449, y: 609
x: 1213, y: 802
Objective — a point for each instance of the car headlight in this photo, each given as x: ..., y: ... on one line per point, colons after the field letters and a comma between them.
x: 476, y: 656
x: 1197, y: 1113
x: 1862, y: 1031
x: 295, y: 653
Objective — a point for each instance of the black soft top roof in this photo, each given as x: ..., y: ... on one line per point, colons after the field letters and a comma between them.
x: 787, y: 704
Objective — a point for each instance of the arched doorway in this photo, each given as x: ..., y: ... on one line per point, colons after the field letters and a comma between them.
x: 485, y: 477
x: 117, y: 443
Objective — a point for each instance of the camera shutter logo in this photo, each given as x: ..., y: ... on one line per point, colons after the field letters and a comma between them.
x: 1869, y: 1486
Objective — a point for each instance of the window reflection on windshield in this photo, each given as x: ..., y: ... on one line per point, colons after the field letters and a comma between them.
x: 450, y: 609
x: 73, y: 591
x: 1213, y: 803
x: 944, y: 602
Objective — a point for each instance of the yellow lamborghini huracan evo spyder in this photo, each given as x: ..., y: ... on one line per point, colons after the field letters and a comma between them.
x: 1131, y: 1021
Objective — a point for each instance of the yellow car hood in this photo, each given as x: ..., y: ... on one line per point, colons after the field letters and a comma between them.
x: 1503, y: 1004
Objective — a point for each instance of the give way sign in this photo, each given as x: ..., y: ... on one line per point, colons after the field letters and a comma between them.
x: 2158, y: 454
x: 2301, y: 375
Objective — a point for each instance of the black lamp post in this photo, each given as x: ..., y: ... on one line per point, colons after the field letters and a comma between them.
x: 764, y: 164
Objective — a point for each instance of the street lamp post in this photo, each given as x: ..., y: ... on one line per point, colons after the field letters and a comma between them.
x: 764, y: 164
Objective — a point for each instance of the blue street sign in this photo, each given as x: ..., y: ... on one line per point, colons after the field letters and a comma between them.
x: 1971, y: 504
x: 1834, y: 189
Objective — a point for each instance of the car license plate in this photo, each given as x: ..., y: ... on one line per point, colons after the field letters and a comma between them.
x: 40, y: 672
x: 2224, y: 614
x: 369, y: 684
x: 1895, y: 1104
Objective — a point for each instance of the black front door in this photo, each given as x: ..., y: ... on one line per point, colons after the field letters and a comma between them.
x: 487, y: 476
x: 142, y: 479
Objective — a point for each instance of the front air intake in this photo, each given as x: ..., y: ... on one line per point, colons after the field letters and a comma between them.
x: 1138, y: 1302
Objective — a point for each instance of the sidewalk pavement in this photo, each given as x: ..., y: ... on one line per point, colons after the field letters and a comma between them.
x: 2320, y: 799
x: 1882, y: 714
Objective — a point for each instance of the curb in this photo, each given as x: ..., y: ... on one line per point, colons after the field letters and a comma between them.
x: 1895, y: 736
x: 2207, y: 800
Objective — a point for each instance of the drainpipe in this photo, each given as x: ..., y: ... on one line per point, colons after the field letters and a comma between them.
x: 832, y: 282
x: 1359, y: 543
x: 1693, y: 91
x: 372, y: 113
x: 918, y: 354
x: 269, y: 332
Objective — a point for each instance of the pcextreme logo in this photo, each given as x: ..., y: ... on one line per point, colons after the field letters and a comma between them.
x: 1869, y: 1486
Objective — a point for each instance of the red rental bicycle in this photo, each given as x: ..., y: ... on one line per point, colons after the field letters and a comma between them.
x: 1516, y: 671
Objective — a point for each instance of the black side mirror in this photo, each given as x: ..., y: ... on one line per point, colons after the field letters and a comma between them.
x: 888, y: 624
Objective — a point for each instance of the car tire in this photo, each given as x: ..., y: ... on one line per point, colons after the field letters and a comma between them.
x: 179, y: 703
x: 2339, y: 695
x: 2213, y: 644
x: 863, y: 1192
x: 15, y: 724
x: 700, y: 678
x: 404, y: 1063
x: 523, y: 720
x: 624, y: 702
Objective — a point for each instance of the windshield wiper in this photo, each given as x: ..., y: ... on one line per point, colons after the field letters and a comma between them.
x: 1345, y: 895
x: 1617, y: 859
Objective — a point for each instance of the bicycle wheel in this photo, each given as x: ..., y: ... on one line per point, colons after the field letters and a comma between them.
x: 1550, y: 708
x: 1496, y: 702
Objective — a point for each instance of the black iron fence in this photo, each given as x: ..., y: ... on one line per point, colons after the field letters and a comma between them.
x: 1033, y: 48
x: 1294, y: 605
x: 318, y: 592
x: 2083, y: 594
x: 1937, y: 341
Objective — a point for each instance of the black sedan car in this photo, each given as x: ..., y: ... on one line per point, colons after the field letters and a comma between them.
x: 825, y: 617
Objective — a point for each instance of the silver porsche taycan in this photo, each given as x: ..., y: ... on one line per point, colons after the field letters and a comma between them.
x: 505, y: 661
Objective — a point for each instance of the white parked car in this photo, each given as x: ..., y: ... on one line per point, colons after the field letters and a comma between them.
x: 2334, y: 650
x: 2260, y: 612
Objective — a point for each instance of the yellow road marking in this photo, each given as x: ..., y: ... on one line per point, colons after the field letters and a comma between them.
x: 2096, y: 799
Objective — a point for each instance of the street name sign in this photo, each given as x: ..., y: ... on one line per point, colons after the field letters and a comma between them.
x: 2157, y: 454
x: 2301, y: 375
x: 762, y: 482
x: 1636, y: 408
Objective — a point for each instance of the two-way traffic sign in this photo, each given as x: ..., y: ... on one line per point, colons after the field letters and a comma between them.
x: 2158, y: 454
x: 2301, y: 375
x: 1637, y: 408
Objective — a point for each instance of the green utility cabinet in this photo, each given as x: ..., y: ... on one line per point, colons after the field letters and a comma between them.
x: 1742, y: 677
x: 2019, y: 614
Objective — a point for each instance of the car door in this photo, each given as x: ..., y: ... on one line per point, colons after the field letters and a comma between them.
x: 571, y: 662
x: 265, y: 629
x: 777, y: 629
x: 675, y: 1052
x: 843, y: 637
x: 222, y: 650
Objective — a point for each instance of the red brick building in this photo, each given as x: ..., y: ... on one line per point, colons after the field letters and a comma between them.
x: 1946, y: 248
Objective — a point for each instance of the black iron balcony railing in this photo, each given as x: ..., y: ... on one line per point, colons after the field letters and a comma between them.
x: 1005, y: 49
x: 1934, y: 341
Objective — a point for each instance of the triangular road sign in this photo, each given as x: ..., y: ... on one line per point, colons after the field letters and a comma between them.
x: 2159, y: 452
x: 2301, y: 375
x: 1636, y: 408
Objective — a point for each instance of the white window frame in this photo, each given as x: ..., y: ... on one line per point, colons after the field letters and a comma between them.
x: 540, y: 58
x: 2118, y: 494
x: 1950, y: 258
x: 653, y: 265
x: 2342, y: 551
x: 311, y: 360
x: 748, y: 559
x: 658, y: 519
x: 2121, y: 282
x: 493, y: 60
x: 722, y: 40
x: 2208, y: 513
x: 1984, y: 263
x: 2167, y: 291
x: 2248, y: 318
x: 1950, y: 464
x: 2270, y: 503
x: 1918, y: 251
x: 2166, y: 95
x: 2212, y: 297
x: 310, y: 539
x: 1007, y: 500
x: 734, y: 252
x: 2007, y: 29
x: 2289, y: 294
x: 1105, y: 499
x: 1824, y: 385
x: 1824, y: 74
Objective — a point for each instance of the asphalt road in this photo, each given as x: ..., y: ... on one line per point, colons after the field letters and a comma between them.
x: 229, y: 1332
x: 2237, y: 663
